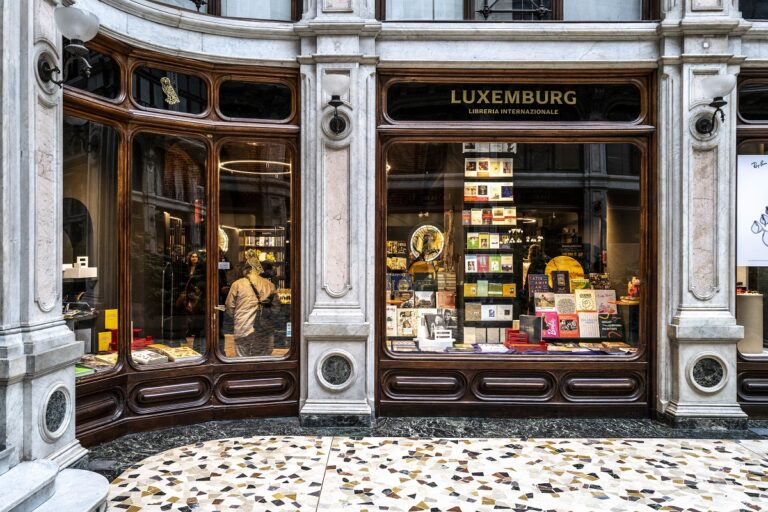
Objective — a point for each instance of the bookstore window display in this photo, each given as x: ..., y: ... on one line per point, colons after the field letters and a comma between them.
x: 254, y: 264
x: 511, y: 248
x: 90, y: 258
x: 168, y: 254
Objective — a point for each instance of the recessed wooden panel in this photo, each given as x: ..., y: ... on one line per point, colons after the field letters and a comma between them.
x: 157, y: 396
x: 753, y: 387
x: 240, y: 388
x: 530, y: 387
x: 99, y: 408
x: 587, y: 388
x: 432, y: 386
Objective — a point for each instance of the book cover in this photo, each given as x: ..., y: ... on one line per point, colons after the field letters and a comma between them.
x: 401, y: 282
x: 585, y: 300
x: 494, y: 192
x: 391, y: 320
x: 551, y: 326
x: 510, y: 216
x: 396, y: 263
x: 425, y: 299
x: 494, y: 241
x: 565, y: 303
x: 473, y: 241
x: 482, y: 263
x: 466, y: 217
x: 506, y: 167
x: 561, y: 282
x: 487, y: 216
x: 450, y: 320
x: 472, y: 311
x: 488, y: 313
x: 470, y: 192
x: 544, y: 301
x: 468, y: 147
x: 505, y: 241
x: 482, y: 288
x: 493, y: 335
x: 446, y: 299
x: 482, y: 192
x: 407, y: 322
x: 470, y: 336
x: 495, y: 290
x: 569, y: 325
x: 476, y: 216
x: 505, y: 312
x: 600, y: 281
x: 470, y: 289
x: 579, y: 283
x: 538, y: 283
x: 424, y: 281
x: 589, y: 326
x: 427, y: 323
x: 611, y: 327
x: 470, y: 167
x: 507, y: 263
x: 149, y: 357
x: 470, y: 263
x: 606, y: 302
x: 494, y: 263
x: 483, y: 168
x: 480, y: 335
x: 495, y: 169
x: 532, y: 326
x: 509, y: 290
x: 506, y: 192
x: 484, y: 240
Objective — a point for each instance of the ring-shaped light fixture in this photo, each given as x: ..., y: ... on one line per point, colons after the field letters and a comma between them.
x: 283, y: 165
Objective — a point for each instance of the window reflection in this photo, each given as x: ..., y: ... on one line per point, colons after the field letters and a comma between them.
x: 259, y: 9
x: 104, y: 78
x: 168, y: 254
x: 169, y: 90
x: 254, y: 264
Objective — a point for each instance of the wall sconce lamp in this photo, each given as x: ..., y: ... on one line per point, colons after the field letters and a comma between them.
x: 717, y: 87
x: 79, y: 27
x: 336, y: 85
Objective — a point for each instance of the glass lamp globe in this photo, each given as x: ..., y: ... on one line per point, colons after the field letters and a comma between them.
x: 718, y: 86
x: 336, y: 84
x: 76, y: 24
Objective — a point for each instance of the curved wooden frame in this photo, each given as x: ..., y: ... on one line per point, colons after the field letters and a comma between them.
x: 131, y: 398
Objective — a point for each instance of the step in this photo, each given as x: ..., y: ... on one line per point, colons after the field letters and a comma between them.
x: 6, y: 452
x: 28, y: 485
x: 78, y: 491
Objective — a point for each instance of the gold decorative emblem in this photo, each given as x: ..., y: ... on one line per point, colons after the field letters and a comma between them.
x: 171, y: 97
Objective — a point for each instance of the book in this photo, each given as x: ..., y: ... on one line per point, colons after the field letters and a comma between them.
x: 482, y: 263
x: 484, y: 240
x: 494, y: 263
x: 470, y: 289
x: 482, y: 192
x: 473, y: 241
x: 579, y: 283
x: 492, y: 348
x: 551, y: 326
x: 606, y: 301
x: 396, y: 263
x: 483, y: 168
x: 175, y: 354
x: 509, y: 290
x: 446, y: 299
x: 510, y: 216
x: 469, y: 335
x: 494, y: 192
x: 561, y: 282
x: 507, y: 263
x: 488, y: 312
x: 149, y: 357
x: 487, y: 216
x: 589, y: 326
x: 407, y: 322
x: 470, y: 263
x: 482, y: 288
x: 611, y: 327
x: 506, y: 192
x: 470, y: 192
x: 497, y: 216
x: 495, y: 290
x: 400, y: 282
x: 600, y: 281
x: 472, y: 311
x: 538, y: 283
x: 532, y: 326
x: 494, y: 241
x: 585, y: 300
x: 565, y: 303
x: 544, y: 301
x: 424, y: 299
x: 450, y: 320
x: 82, y: 370
x: 428, y: 321
x: 466, y: 217
x: 403, y: 346
x: 495, y: 168
x: 476, y: 216
x: 481, y: 335
x: 505, y: 312
x: 424, y: 281
x: 569, y: 325
x: 391, y: 320
x: 470, y: 167
x: 493, y: 335
x: 506, y: 167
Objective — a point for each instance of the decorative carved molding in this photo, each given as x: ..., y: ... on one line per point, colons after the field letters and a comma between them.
x: 703, y: 257
x: 336, y: 222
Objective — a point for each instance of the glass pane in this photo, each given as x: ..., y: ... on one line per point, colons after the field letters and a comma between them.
x: 752, y: 248
x: 186, y: 4
x: 513, y: 10
x: 500, y: 247
x: 255, y: 277
x: 754, y: 9
x: 255, y: 100
x: 259, y: 9
x: 104, y: 79
x: 602, y: 10
x: 425, y: 9
x: 752, y: 100
x: 169, y: 90
x: 168, y: 278
x: 90, y: 228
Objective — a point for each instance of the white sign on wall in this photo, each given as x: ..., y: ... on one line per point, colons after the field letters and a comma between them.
x: 752, y: 211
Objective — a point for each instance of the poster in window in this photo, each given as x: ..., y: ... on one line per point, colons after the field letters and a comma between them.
x: 752, y: 211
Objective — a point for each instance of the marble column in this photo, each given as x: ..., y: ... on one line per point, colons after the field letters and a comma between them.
x: 338, y: 201
x: 697, y: 329
x: 37, y: 350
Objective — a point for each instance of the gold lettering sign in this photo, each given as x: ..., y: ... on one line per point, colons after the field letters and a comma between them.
x: 171, y: 97
x: 542, y: 98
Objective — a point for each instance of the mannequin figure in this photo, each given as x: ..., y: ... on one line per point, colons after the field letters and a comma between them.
x: 251, y: 302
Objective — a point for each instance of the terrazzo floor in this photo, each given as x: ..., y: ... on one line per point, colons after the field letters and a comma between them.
x: 275, y: 473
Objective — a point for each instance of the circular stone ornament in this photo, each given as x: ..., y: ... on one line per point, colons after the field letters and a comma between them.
x: 56, y: 413
x: 707, y: 373
x: 336, y: 370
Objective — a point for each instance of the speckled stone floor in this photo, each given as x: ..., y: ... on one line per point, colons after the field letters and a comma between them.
x: 266, y: 473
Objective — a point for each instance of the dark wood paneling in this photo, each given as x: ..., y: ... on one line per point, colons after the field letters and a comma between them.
x: 164, y: 394
x: 602, y: 387
x: 423, y: 386
x: 99, y: 408
x: 250, y: 388
x: 537, y: 387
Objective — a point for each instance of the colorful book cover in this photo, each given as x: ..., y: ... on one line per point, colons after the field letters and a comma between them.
x: 497, y: 216
x: 579, y: 283
x: 532, y: 326
x: 494, y: 263
x: 488, y: 313
x: 401, y: 282
x: 509, y: 290
x: 569, y: 325
x: 544, y: 301
x: 407, y: 322
x: 476, y: 216
x: 565, y: 303
x: 391, y: 320
x: 494, y: 192
x: 507, y: 263
x: 538, y: 283
x: 600, y: 281
x: 495, y: 290
x: 470, y: 167
x: 589, y: 326
x: 484, y: 240
x: 466, y: 217
x: 494, y: 241
x: 561, y: 281
x: 470, y: 289
x: 473, y: 241
x: 482, y: 288
x: 487, y: 216
x: 427, y: 323
x: 470, y: 192
x: 483, y: 168
x: 551, y: 327
x: 425, y: 300
x: 472, y: 311
x: 446, y: 299
x: 606, y: 302
x: 585, y: 300
x: 482, y: 263
x: 505, y: 241
x: 495, y: 169
x: 470, y: 263
x: 611, y: 327
x: 506, y: 192
x: 510, y: 216
x: 507, y: 167
x: 396, y: 263
x: 424, y: 281
x: 505, y: 312
x: 482, y: 192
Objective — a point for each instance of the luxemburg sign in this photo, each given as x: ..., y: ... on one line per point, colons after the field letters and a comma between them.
x: 513, y: 102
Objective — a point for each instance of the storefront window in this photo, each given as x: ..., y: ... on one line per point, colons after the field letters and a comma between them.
x: 754, y: 9
x: 512, y: 248
x: 168, y: 251
x: 90, y: 258
x: 515, y: 10
x: 752, y: 247
x: 602, y: 10
x: 425, y: 9
x: 169, y: 90
x: 104, y: 77
x: 261, y: 9
x: 254, y: 100
x: 254, y: 265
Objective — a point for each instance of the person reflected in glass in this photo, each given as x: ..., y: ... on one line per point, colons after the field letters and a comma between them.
x: 252, y: 303
x: 191, y: 301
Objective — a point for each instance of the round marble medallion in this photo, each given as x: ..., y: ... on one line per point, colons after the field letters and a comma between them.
x: 336, y: 369
x: 708, y: 372
x: 55, y: 413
